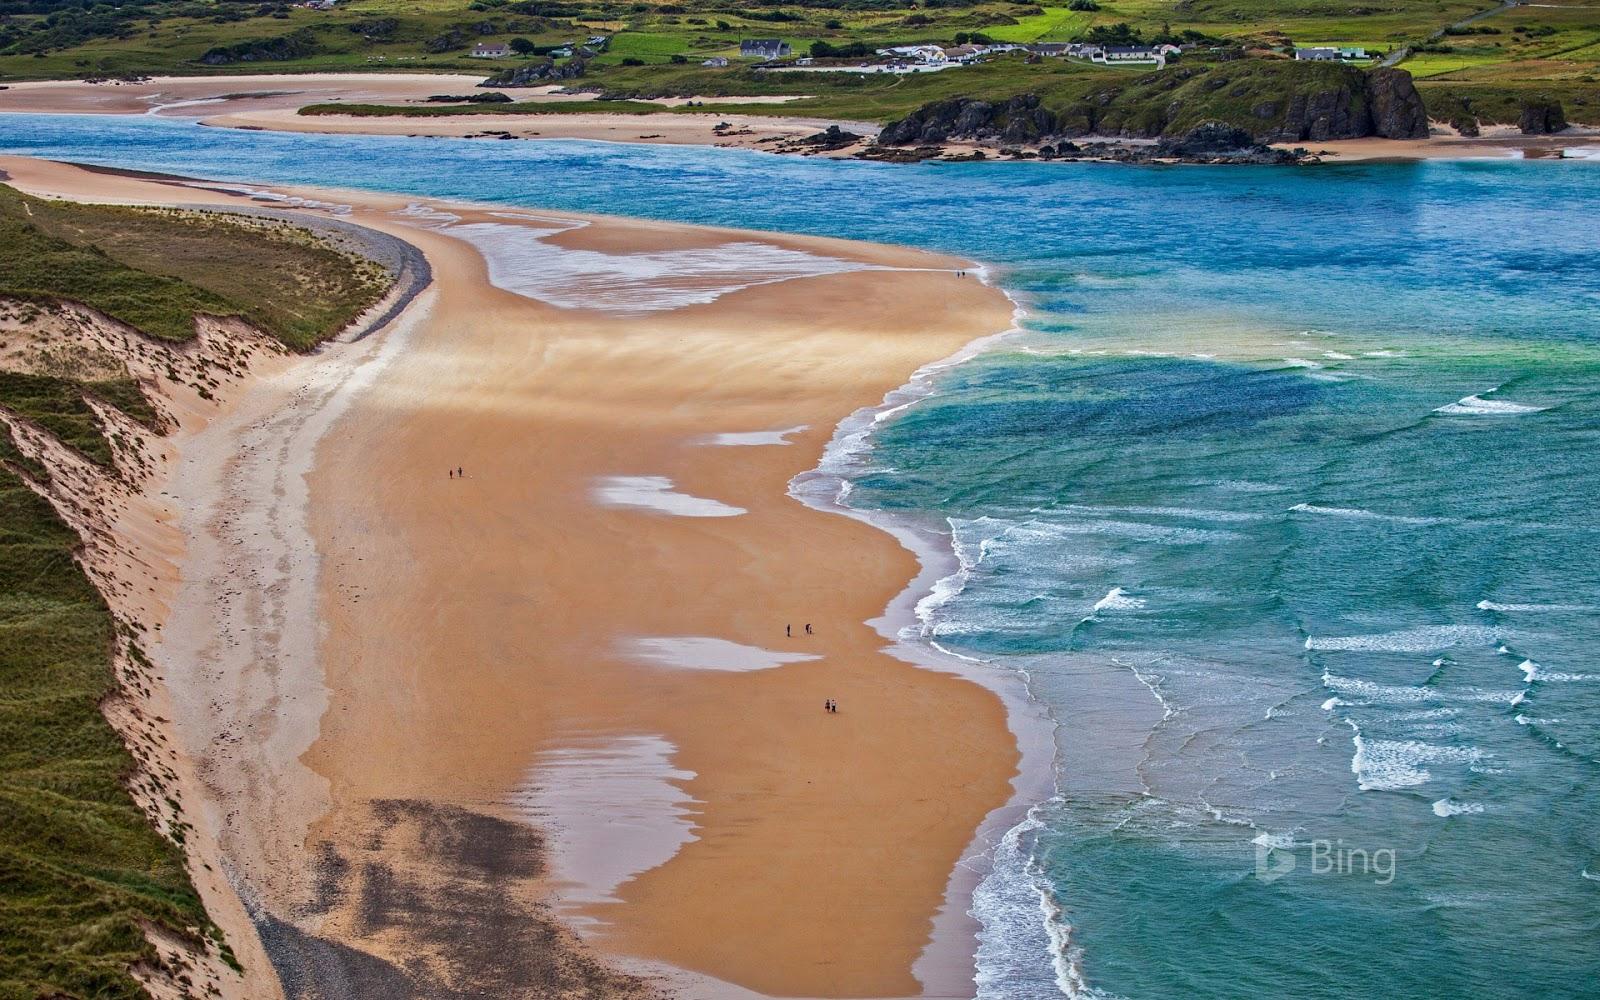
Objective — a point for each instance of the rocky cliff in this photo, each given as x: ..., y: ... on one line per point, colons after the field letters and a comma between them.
x: 1271, y: 101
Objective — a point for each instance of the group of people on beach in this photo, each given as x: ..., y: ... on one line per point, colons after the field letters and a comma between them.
x: 456, y: 473
x: 830, y: 706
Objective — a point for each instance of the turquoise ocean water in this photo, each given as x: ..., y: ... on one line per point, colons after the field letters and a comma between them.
x: 1284, y: 500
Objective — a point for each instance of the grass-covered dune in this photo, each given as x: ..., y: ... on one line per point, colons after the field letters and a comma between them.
x: 154, y: 269
x: 81, y: 867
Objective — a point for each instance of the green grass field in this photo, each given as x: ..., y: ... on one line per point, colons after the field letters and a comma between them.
x: 437, y: 34
x: 81, y: 868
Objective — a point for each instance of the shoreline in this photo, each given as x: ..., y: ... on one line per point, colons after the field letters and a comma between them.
x: 900, y: 625
x: 218, y: 101
x: 950, y: 889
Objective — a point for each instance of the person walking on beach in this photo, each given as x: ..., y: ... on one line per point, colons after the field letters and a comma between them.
x: 450, y: 472
x: 460, y: 474
x: 788, y: 631
x: 808, y: 629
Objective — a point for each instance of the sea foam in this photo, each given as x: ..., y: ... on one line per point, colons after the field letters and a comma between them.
x: 1426, y: 639
x: 1387, y: 765
x: 1477, y: 406
x: 1364, y: 515
x: 1117, y: 599
x: 1553, y: 608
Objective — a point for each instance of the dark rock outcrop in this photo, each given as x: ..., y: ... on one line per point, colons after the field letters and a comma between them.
x: 1542, y: 116
x: 1266, y: 104
x: 833, y: 137
x: 1018, y: 120
x: 1337, y: 113
x: 1217, y: 142
x: 1397, y: 109
x: 536, y: 74
x: 1383, y: 103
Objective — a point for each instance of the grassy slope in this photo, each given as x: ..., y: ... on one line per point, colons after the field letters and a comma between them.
x: 38, y: 266
x: 155, y: 269
x: 80, y: 868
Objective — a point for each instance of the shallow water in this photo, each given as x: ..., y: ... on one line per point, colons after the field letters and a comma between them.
x: 1284, y: 501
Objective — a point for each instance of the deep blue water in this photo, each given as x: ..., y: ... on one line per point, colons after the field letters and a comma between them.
x: 1285, y: 500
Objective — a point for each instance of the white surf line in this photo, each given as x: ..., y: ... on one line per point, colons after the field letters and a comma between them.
x: 1476, y: 406
x: 691, y: 652
x: 613, y: 808
x: 747, y: 439
x: 656, y: 493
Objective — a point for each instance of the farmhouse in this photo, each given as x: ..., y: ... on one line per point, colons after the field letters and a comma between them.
x: 491, y: 50
x: 763, y: 48
x: 962, y: 53
x: 930, y: 54
x: 716, y: 61
x: 1128, y: 53
x: 1329, y: 54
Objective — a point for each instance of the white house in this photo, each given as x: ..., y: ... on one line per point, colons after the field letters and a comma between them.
x: 962, y: 53
x: 1128, y: 54
x: 716, y: 61
x: 931, y: 54
x: 1327, y: 53
x: 491, y: 50
x: 763, y: 48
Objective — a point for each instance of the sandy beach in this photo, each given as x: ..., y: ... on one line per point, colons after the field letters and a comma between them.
x: 1498, y: 142
x: 191, y: 95
x: 270, y: 102
x: 431, y: 711
x: 678, y: 129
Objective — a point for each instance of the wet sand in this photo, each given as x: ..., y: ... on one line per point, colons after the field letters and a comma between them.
x: 463, y: 631
x: 1498, y: 142
x: 198, y: 95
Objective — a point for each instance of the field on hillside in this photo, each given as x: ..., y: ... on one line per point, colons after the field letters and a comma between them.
x: 658, y: 48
